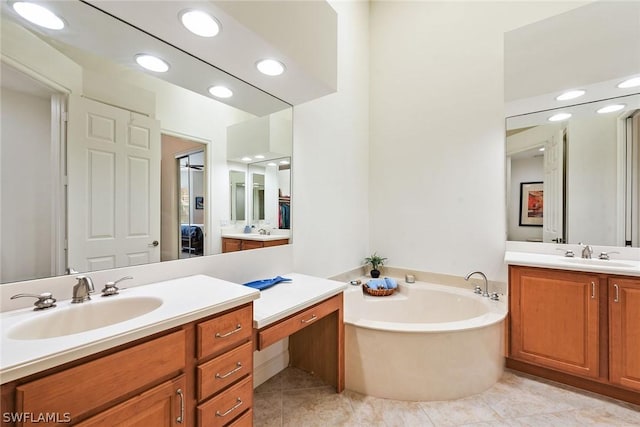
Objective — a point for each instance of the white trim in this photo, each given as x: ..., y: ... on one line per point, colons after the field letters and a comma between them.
x: 35, y: 75
x: 58, y: 184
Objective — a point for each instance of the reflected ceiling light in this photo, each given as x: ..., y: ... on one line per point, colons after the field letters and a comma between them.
x: 541, y: 149
x: 152, y: 63
x: 259, y: 156
x: 200, y: 23
x: 559, y: 117
x: 571, y: 94
x: 221, y: 91
x: 610, y: 108
x: 284, y: 162
x: 630, y: 83
x: 246, y: 159
x: 270, y: 67
x: 271, y: 164
x: 38, y: 15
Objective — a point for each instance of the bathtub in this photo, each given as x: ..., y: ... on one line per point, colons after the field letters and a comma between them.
x: 425, y: 342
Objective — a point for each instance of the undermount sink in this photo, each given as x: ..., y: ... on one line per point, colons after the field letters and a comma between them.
x: 82, y: 317
x: 598, y: 262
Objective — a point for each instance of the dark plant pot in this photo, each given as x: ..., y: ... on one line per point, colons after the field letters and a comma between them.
x: 375, y: 274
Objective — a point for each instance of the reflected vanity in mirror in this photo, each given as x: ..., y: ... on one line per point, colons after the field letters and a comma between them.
x: 119, y: 166
x: 573, y: 126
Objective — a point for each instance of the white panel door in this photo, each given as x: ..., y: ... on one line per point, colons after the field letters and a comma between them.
x: 114, y: 186
x: 553, y: 207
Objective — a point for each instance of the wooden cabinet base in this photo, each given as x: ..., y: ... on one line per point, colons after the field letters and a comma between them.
x: 575, y: 381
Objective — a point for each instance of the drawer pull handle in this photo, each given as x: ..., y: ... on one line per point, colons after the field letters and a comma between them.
x: 309, y: 320
x: 593, y: 290
x: 237, y: 329
x: 231, y: 372
x: 180, y: 418
x: 617, y: 297
x: 230, y: 410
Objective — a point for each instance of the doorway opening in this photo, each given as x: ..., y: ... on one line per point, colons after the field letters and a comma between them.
x: 184, y: 205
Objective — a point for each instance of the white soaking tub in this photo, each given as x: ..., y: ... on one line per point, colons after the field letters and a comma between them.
x: 425, y: 342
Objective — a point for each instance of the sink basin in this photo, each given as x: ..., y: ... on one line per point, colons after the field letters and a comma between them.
x: 598, y: 262
x: 82, y: 317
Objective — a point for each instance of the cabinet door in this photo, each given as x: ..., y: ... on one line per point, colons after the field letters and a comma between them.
x: 252, y: 244
x: 162, y: 406
x: 554, y: 319
x: 231, y: 245
x: 624, y: 332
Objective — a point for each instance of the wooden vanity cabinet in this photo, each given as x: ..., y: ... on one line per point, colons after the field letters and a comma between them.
x: 555, y: 319
x: 624, y: 332
x: 163, y: 380
x: 234, y: 245
x: 578, y: 328
x: 159, y: 407
x: 225, y: 366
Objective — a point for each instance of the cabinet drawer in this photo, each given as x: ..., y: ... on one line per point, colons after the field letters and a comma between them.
x: 245, y: 420
x: 228, y: 405
x: 79, y: 390
x: 224, y: 370
x: 290, y: 325
x: 225, y: 331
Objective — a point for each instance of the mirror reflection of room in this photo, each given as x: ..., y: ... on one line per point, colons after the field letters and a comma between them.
x: 191, y: 204
x: 588, y: 167
x: 128, y: 200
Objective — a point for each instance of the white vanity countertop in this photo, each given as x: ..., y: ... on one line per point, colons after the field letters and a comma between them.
x: 255, y: 236
x: 184, y: 300
x: 287, y: 298
x: 627, y: 267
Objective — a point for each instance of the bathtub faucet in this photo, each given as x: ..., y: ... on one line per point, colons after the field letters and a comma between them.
x: 478, y: 289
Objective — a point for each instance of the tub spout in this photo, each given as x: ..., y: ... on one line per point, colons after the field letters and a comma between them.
x: 479, y: 290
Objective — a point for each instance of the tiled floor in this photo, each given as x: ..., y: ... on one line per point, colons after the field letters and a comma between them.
x: 295, y: 398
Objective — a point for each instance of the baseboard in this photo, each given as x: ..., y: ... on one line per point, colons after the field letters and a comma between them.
x: 270, y: 361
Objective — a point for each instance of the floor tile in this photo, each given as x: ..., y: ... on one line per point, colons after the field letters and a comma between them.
x: 296, y: 398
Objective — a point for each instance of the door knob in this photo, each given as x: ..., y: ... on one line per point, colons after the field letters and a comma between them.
x: 154, y: 244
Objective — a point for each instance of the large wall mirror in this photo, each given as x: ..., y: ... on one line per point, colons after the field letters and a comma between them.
x: 573, y: 131
x: 105, y: 164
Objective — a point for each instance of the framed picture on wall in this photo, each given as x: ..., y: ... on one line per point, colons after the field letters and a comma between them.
x: 199, y: 202
x: 531, y: 203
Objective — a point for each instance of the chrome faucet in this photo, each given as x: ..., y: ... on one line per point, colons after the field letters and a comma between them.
x: 263, y: 232
x: 45, y: 300
x: 478, y: 289
x: 587, y: 251
x: 82, y: 289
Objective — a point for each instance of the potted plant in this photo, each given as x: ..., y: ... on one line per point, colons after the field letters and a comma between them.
x: 376, y: 261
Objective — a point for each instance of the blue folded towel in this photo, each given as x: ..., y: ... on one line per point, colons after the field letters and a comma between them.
x: 266, y: 283
x: 391, y: 283
x: 377, y: 284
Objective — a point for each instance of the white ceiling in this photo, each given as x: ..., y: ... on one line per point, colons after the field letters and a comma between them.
x: 302, y: 35
x: 596, y: 43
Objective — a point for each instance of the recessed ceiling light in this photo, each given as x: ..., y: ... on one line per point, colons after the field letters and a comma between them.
x: 559, y: 117
x: 284, y: 162
x: 271, y: 164
x: 246, y: 159
x: 259, y: 156
x: 630, y: 83
x: 221, y: 91
x: 152, y: 63
x: 38, y: 15
x: 571, y: 94
x: 270, y: 67
x: 541, y: 149
x: 610, y: 108
x: 200, y: 23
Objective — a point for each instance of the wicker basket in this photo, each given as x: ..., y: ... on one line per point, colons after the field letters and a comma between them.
x: 377, y: 292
